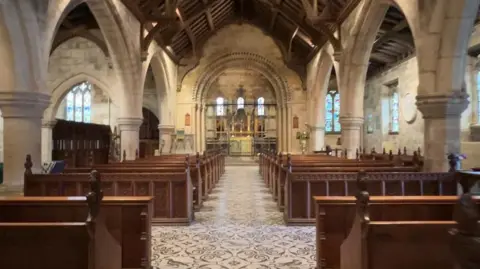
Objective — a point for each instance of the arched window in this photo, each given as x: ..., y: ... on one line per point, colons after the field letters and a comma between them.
x: 261, y: 106
x: 332, y: 112
x: 220, y: 107
x: 79, y: 102
x: 394, y: 113
x: 240, y: 103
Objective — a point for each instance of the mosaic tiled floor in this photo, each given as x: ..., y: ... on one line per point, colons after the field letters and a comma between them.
x: 239, y: 227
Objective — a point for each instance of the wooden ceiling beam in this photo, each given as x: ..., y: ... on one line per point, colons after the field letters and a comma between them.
x: 209, y: 15
x: 189, y: 32
x: 274, y: 15
x: 390, y: 34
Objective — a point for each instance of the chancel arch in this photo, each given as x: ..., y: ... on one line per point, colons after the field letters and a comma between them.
x: 223, y: 79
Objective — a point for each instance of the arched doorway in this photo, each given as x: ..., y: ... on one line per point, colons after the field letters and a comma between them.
x: 149, y: 134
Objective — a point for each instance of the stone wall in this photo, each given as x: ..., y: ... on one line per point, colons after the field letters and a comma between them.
x: 411, y: 134
x: 79, y: 57
x: 246, y: 39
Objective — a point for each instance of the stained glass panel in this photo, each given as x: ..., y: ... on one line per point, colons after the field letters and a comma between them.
x: 78, y: 106
x: 240, y: 103
x: 261, y: 107
x: 395, y: 112
x: 69, y: 106
x: 336, y: 113
x: 87, y: 101
x: 329, y: 113
x: 220, y: 107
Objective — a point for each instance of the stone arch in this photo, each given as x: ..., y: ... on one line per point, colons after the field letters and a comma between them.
x: 121, y: 48
x: 245, y: 60
x: 61, y: 90
x: 65, y: 38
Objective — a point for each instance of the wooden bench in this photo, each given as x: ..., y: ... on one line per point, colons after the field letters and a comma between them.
x: 172, y: 192
x: 302, y: 187
x: 442, y: 244
x: 335, y: 215
x: 87, y: 238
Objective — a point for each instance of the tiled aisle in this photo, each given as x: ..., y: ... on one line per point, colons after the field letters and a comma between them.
x: 238, y: 227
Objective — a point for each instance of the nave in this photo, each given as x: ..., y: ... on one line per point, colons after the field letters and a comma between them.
x: 239, y: 226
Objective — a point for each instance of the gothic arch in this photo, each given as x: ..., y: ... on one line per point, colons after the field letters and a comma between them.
x: 245, y: 60
x: 64, y: 87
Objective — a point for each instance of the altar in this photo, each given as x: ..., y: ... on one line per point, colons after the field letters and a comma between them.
x: 241, y: 145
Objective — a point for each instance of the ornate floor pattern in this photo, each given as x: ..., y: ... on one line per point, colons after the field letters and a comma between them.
x: 239, y: 227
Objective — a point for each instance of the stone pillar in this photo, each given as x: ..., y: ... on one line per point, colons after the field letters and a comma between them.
x: 197, y: 126
x: 441, y: 116
x: 280, y: 126
x: 351, y: 134
x: 289, y: 129
x: 166, y: 132
x: 203, y: 109
x: 47, y: 140
x: 22, y: 114
x: 129, y: 136
x: 317, y: 138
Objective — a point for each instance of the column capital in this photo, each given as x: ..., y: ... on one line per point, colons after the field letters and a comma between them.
x: 129, y: 124
x: 164, y: 128
x: 23, y: 104
x: 351, y: 123
x: 317, y: 128
x: 48, y: 123
x: 442, y: 105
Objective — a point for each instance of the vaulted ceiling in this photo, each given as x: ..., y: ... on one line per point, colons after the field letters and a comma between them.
x: 300, y: 27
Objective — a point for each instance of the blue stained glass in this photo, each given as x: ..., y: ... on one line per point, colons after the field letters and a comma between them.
x: 329, y: 113
x: 336, y: 113
x: 260, y: 106
x: 87, y: 98
x: 69, y: 106
x: 79, y: 106
x: 79, y: 103
x: 394, y: 112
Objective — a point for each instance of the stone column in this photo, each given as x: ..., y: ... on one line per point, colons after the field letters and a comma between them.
x: 47, y: 140
x: 289, y: 129
x: 197, y: 126
x: 317, y: 138
x: 281, y: 145
x: 166, y: 132
x: 202, y: 128
x: 441, y: 116
x: 129, y: 136
x: 22, y: 114
x: 351, y: 134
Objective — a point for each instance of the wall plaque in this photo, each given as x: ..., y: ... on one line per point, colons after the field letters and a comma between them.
x: 409, y: 108
x: 295, y: 122
x: 187, y: 119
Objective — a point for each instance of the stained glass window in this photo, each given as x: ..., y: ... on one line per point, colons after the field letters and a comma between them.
x: 478, y: 97
x: 220, y: 107
x: 332, y: 112
x: 394, y: 113
x: 261, y: 106
x: 78, y: 103
x: 240, y: 103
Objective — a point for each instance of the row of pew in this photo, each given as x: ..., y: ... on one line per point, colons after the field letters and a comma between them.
x: 377, y: 232
x: 100, y: 217
x: 377, y: 213
x: 293, y: 180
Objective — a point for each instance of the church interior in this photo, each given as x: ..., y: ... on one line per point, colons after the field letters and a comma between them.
x: 249, y: 134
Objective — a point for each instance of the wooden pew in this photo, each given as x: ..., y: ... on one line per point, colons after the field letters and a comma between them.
x: 172, y: 192
x: 302, y: 187
x: 335, y: 215
x: 411, y: 243
x: 56, y: 245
